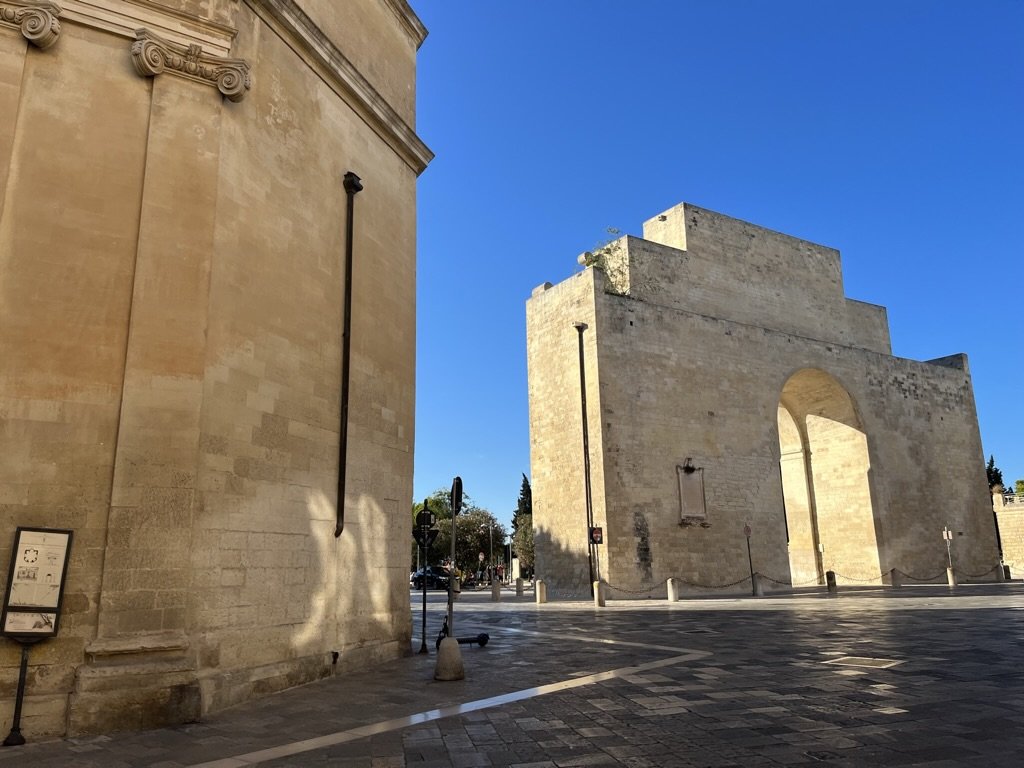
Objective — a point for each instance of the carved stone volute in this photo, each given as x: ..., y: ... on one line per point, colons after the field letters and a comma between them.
x: 153, y: 55
x: 37, y: 19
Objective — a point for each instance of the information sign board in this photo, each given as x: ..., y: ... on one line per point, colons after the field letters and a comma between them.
x: 35, y: 584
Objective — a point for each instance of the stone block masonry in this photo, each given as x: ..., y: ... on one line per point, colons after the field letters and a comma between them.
x: 172, y: 263
x: 719, y: 345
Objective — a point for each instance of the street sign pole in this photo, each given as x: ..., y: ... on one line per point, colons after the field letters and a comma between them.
x: 424, y: 521
x: 456, y: 503
x: 750, y: 560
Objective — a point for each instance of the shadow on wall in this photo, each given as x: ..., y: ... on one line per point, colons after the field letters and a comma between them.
x: 351, y: 604
x: 566, y: 572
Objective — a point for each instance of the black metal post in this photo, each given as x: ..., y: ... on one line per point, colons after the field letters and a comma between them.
x: 750, y: 562
x: 14, y: 738
x: 580, y: 328
x: 426, y: 562
x: 352, y: 185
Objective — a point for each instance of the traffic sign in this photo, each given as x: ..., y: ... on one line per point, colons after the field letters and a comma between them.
x: 425, y: 519
x: 422, y: 534
x: 456, y: 499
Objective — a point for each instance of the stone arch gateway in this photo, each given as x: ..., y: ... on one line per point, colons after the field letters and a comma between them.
x: 825, y: 466
x: 732, y: 384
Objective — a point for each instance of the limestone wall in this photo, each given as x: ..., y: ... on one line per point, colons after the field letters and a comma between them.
x: 171, y: 290
x: 556, y: 446
x: 1009, y: 511
x: 687, y: 371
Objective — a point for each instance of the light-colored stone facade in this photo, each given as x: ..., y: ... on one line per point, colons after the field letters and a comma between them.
x: 1009, y: 512
x: 715, y: 345
x: 172, y: 264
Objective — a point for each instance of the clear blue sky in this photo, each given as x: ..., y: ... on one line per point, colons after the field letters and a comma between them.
x: 893, y: 131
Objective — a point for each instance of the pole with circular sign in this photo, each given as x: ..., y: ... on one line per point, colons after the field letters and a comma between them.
x: 424, y: 533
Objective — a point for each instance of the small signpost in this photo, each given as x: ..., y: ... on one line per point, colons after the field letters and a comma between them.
x: 456, y: 504
x: 750, y: 559
x: 34, y: 599
x: 425, y: 534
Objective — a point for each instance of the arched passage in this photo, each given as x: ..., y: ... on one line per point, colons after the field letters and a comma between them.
x: 826, y: 481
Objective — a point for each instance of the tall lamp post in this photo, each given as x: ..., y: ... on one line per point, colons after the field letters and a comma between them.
x: 490, y: 537
x: 580, y: 328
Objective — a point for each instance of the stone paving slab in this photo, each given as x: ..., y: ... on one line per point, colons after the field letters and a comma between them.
x: 779, y: 681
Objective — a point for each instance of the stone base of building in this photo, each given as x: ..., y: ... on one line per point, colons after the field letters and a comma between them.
x: 131, y: 683
x: 152, y: 681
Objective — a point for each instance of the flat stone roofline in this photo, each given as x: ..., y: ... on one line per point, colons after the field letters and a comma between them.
x: 669, y: 227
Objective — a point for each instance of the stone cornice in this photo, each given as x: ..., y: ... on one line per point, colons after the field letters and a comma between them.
x: 123, y: 17
x: 299, y: 32
x: 409, y: 20
x: 153, y: 55
x: 37, y: 20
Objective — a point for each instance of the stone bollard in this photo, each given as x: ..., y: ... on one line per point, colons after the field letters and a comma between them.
x: 599, y: 594
x: 495, y: 591
x: 540, y: 591
x: 950, y: 577
x: 673, y: 591
x: 895, y: 580
x: 830, y: 582
x: 758, y: 585
x: 449, y: 661
x: 519, y: 587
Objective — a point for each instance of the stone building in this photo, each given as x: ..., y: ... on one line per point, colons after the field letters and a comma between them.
x: 732, y: 387
x: 176, y: 178
x: 1009, y: 512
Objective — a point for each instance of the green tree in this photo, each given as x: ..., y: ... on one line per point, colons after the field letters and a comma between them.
x: 1018, y: 487
x: 995, y: 475
x: 522, y: 543
x: 522, y: 527
x: 471, y: 532
x: 475, y: 531
x: 524, y: 506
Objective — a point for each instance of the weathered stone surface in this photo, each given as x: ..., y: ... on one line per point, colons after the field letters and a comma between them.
x: 720, y: 343
x: 1009, y: 511
x: 170, y: 325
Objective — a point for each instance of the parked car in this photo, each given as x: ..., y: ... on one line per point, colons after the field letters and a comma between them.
x: 436, y: 579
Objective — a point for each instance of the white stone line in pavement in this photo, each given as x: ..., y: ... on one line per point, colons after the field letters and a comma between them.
x: 341, y: 737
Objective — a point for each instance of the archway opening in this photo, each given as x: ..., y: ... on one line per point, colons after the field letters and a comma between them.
x: 825, y: 468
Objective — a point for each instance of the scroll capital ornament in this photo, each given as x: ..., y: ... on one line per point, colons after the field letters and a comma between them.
x: 153, y: 55
x: 37, y: 20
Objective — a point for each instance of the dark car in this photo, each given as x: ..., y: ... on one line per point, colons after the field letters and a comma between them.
x: 436, y: 579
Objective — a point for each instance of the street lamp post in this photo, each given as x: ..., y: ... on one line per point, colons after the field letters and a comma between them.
x: 580, y: 328
x: 490, y: 538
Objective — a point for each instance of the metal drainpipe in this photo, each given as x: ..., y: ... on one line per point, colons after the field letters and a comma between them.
x: 581, y: 327
x: 352, y: 185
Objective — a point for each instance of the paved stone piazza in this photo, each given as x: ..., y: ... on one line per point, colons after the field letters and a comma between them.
x: 918, y: 676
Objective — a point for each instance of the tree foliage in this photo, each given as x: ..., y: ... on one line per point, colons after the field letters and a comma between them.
x: 524, y: 506
x: 472, y: 526
x: 522, y: 527
x: 1018, y: 487
x: 995, y: 475
x: 522, y: 543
